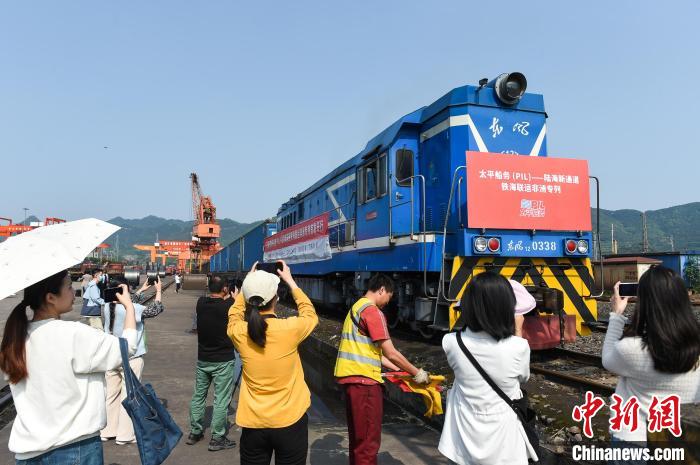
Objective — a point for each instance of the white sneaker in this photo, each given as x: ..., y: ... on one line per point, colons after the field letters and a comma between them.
x: 123, y: 443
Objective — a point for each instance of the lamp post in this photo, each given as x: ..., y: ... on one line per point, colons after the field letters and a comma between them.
x: 25, y: 214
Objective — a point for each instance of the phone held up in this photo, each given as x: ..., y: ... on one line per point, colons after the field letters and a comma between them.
x: 152, y: 280
x: 269, y: 267
x: 628, y: 289
x: 111, y: 294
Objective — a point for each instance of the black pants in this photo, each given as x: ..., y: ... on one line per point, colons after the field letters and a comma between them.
x: 290, y: 444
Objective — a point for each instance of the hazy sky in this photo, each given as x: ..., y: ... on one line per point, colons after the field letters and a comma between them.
x: 263, y: 98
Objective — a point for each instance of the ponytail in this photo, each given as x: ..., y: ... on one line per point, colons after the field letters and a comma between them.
x: 13, y: 359
x: 257, y: 325
x: 12, y: 349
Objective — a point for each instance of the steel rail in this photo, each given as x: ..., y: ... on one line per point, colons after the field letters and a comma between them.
x: 582, y: 357
x: 573, y: 380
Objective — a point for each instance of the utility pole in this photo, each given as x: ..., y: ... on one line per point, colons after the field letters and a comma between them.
x: 25, y: 214
x: 595, y: 242
x: 613, y: 249
x: 117, y: 257
x: 645, y: 236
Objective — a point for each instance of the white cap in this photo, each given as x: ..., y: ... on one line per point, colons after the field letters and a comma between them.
x: 524, y: 301
x: 260, y: 284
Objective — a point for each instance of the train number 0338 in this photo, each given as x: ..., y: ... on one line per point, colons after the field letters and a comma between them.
x: 544, y: 245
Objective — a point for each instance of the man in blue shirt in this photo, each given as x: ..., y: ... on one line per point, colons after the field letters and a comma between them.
x: 92, y: 301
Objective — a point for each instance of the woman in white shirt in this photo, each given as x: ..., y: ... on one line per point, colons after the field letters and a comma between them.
x: 119, y: 426
x: 658, y: 354
x: 56, y: 373
x: 480, y: 428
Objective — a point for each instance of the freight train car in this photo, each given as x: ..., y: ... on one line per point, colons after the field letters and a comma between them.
x: 460, y: 186
x: 240, y: 255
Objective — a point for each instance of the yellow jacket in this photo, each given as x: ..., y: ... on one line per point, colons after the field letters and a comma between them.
x: 357, y: 354
x: 273, y: 391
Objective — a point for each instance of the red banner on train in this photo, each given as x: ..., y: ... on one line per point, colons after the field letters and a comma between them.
x: 304, y: 242
x: 523, y: 192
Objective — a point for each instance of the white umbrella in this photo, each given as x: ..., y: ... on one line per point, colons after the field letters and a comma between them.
x: 28, y: 258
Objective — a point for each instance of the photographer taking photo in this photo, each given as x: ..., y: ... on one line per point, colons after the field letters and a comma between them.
x: 274, y: 397
x: 56, y: 373
x: 658, y: 354
x: 119, y: 426
x: 216, y: 364
x: 92, y: 300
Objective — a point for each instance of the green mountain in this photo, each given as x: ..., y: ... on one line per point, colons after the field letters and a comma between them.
x: 679, y: 225
x: 147, y: 230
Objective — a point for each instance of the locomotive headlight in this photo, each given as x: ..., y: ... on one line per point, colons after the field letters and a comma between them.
x: 480, y: 244
x: 582, y: 246
x: 509, y: 87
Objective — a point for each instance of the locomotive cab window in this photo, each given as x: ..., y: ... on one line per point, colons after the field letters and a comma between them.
x: 404, y: 167
x: 373, y: 179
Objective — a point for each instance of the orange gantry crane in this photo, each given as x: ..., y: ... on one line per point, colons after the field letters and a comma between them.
x: 205, y: 231
x: 12, y: 229
x: 153, y: 250
x: 179, y: 250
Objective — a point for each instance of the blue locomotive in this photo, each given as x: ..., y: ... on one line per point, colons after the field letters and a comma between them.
x: 402, y: 206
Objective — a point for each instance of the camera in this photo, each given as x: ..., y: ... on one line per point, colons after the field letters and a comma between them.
x: 110, y: 294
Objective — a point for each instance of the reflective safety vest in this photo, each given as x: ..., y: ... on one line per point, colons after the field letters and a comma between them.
x: 358, y: 355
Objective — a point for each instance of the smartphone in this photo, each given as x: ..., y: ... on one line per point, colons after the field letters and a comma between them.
x: 628, y: 289
x: 111, y: 294
x: 269, y: 267
x: 152, y: 280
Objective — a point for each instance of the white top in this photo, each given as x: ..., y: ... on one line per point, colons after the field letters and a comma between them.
x: 627, y: 358
x: 480, y: 428
x: 177, y: 279
x: 63, y: 398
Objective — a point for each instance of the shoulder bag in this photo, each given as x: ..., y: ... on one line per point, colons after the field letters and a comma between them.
x: 520, y: 406
x: 156, y: 432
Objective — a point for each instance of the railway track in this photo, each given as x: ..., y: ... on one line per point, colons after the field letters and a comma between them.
x: 575, y: 369
x: 6, y: 395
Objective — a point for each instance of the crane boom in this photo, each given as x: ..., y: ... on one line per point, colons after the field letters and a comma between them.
x: 205, y: 230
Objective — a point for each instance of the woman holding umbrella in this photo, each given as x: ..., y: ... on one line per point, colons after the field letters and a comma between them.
x: 56, y: 373
x: 55, y: 368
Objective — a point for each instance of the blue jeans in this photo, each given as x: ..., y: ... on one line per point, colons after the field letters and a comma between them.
x: 85, y: 452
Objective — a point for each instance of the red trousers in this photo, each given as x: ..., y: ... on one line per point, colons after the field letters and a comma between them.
x: 364, y: 407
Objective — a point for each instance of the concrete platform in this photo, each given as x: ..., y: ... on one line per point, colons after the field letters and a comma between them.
x: 169, y: 367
